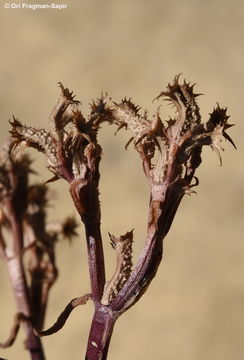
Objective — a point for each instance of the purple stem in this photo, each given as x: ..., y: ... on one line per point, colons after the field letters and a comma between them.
x: 162, y: 210
x: 85, y: 197
x: 100, y: 333
x: 19, y: 285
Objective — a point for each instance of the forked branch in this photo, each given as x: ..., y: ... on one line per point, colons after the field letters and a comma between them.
x: 171, y: 152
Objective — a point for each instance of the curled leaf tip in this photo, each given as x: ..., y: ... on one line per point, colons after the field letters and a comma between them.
x: 61, y: 320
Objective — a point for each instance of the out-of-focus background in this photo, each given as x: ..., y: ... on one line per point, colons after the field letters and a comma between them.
x: 194, y: 308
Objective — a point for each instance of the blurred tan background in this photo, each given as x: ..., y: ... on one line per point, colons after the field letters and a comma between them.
x: 194, y: 309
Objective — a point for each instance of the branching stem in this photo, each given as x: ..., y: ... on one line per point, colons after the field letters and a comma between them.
x: 170, y: 152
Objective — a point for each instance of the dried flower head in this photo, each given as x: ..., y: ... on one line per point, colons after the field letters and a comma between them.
x: 67, y: 150
x: 171, y: 150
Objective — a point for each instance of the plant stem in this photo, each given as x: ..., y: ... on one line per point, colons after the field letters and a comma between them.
x: 19, y: 284
x: 95, y: 260
x: 163, y: 205
x: 100, y: 333
x: 19, y: 287
x: 85, y: 197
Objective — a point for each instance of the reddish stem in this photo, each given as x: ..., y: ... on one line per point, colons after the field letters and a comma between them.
x: 100, y: 333
x: 163, y: 206
x: 95, y: 259
x: 85, y: 196
x: 19, y: 284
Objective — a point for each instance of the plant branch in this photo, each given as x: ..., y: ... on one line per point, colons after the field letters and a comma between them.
x: 73, y: 155
x: 22, y: 213
x: 20, y: 290
x: 170, y: 152
x: 85, y: 197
